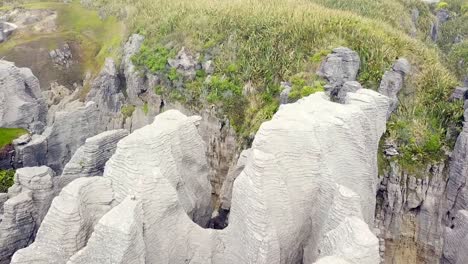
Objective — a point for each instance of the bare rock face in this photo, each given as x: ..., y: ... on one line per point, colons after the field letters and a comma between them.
x: 41, y: 185
x: 456, y: 240
x: 16, y: 226
x: 62, y: 57
x: 234, y: 172
x: 105, y: 90
x: 135, y: 82
x: 69, y: 222
x: 71, y: 122
x: 302, y: 167
x: 89, y: 159
x: 115, y: 239
x: 393, y: 81
x: 21, y: 101
x: 340, y: 66
x: 23, y: 212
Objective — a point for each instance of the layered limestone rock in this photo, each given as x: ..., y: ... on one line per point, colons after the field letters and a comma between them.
x: 71, y: 122
x: 69, y: 222
x: 21, y: 101
x: 302, y: 167
x: 23, y: 212
x: 115, y: 239
x: 89, y: 159
x: 41, y: 185
x: 16, y: 226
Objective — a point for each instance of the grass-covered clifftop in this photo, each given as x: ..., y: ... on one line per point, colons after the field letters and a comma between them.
x: 260, y: 43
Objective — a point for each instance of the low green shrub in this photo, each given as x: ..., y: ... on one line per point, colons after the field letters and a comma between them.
x: 6, y: 180
x: 127, y: 110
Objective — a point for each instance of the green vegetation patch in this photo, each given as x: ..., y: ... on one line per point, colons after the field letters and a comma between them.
x: 6, y: 180
x: 98, y: 38
x: 7, y: 135
x: 127, y: 110
x: 262, y: 43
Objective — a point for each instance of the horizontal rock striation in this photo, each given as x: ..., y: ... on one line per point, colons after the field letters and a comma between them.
x: 69, y: 222
x: 89, y: 159
x: 29, y: 200
x: 306, y: 194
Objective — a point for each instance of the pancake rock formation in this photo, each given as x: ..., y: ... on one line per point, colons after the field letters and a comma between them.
x: 21, y: 101
x: 306, y: 194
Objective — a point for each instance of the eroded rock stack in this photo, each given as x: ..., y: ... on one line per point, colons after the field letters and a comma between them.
x: 35, y: 187
x: 302, y: 166
x: 21, y: 101
x: 29, y: 200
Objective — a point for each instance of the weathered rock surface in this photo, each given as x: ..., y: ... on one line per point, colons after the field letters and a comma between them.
x: 135, y: 82
x: 288, y: 179
x: 21, y: 101
x: 409, y: 214
x: 105, y: 91
x: 89, y: 159
x: 29, y: 200
x: 285, y: 91
x: 16, y: 226
x: 456, y: 240
x: 69, y: 222
x: 393, y: 81
x: 6, y: 29
x: 71, y: 122
x: 115, y: 239
x: 62, y: 57
x: 340, y: 66
x: 234, y: 172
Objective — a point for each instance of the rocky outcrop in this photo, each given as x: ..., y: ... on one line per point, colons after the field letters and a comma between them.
x: 116, y: 240
x: 41, y: 186
x: 23, y: 212
x: 393, y: 81
x: 186, y: 64
x: 71, y: 122
x: 89, y: 159
x: 105, y: 91
x: 21, y: 101
x: 409, y: 213
x: 16, y: 226
x: 302, y: 166
x: 69, y: 222
x: 62, y: 57
x: 340, y: 66
x: 455, y: 210
x: 456, y: 240
x: 285, y: 91
x: 135, y: 82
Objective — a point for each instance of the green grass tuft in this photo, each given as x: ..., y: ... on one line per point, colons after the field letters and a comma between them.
x: 6, y: 180
x: 7, y: 135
